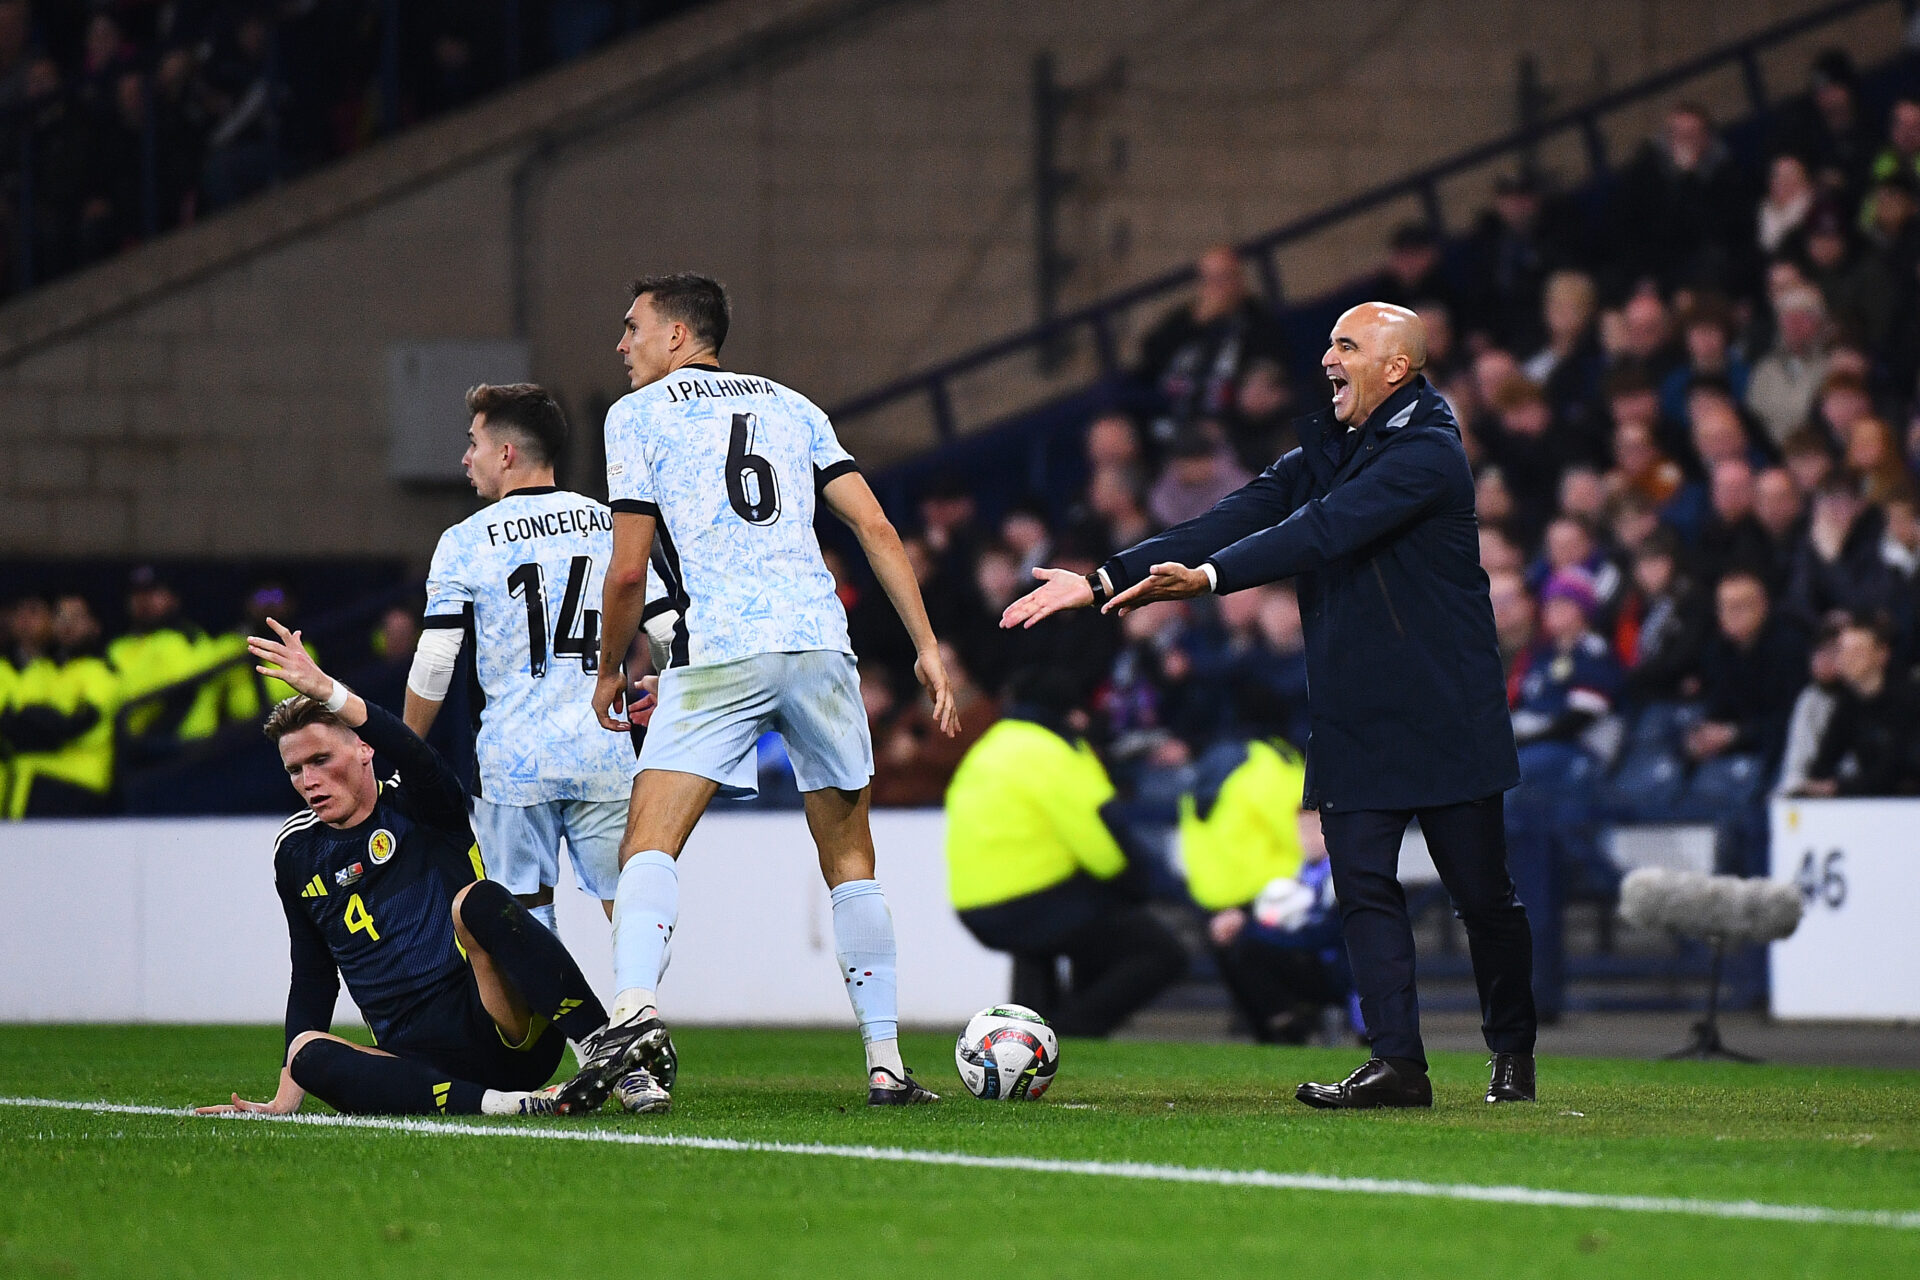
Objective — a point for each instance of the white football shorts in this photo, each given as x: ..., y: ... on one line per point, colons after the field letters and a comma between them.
x: 710, y: 717
x: 520, y: 843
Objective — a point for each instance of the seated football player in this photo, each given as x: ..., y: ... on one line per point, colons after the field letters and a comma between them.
x: 470, y: 999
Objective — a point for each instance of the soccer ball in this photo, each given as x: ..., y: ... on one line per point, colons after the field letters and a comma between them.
x: 1007, y: 1053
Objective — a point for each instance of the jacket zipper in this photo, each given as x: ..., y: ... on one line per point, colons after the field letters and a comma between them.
x: 1381, y: 578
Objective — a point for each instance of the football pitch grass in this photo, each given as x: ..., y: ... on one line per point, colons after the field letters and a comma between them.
x: 1145, y: 1158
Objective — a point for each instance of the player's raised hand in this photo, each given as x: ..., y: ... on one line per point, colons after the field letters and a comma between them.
x: 287, y: 659
x: 1163, y: 582
x: 610, y: 699
x: 1059, y: 589
x: 931, y: 672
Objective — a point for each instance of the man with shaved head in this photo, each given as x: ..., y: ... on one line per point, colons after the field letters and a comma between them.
x: 1373, y: 512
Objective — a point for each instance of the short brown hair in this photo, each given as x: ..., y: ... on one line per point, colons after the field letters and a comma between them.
x: 1843, y: 380
x: 1804, y: 440
x: 528, y: 410
x: 297, y: 712
x: 1709, y: 309
x: 696, y: 301
x: 1517, y: 391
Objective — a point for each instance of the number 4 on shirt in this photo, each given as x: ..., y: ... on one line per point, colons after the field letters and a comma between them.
x: 359, y: 919
x: 527, y: 581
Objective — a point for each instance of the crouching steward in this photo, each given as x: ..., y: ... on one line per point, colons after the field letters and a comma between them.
x: 470, y: 1000
x: 1040, y: 864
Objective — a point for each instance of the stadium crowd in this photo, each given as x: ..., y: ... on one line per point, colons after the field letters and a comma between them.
x: 122, y: 119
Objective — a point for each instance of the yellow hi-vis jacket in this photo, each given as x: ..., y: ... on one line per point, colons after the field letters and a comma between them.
x: 87, y: 761
x: 233, y: 696
x: 1023, y: 814
x: 1252, y: 834
x: 149, y: 661
x: 8, y: 679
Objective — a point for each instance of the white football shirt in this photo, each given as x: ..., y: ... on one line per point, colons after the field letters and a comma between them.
x: 730, y: 466
x: 524, y: 577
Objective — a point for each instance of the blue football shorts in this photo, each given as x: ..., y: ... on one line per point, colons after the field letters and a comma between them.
x: 710, y: 716
x: 520, y: 843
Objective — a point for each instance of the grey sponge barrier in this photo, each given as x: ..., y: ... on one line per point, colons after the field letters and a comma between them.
x: 1722, y: 911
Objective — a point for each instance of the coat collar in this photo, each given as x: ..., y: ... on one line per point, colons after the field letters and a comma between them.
x: 1321, y: 437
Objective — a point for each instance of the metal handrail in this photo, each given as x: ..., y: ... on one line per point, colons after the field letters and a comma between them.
x: 1099, y: 315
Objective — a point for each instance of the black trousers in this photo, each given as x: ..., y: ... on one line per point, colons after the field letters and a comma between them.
x: 1121, y: 956
x: 54, y: 798
x: 1469, y: 847
x: 1268, y: 982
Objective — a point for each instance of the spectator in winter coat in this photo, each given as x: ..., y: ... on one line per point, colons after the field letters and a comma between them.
x: 1871, y: 746
x: 1787, y: 379
x: 1750, y: 673
x: 1662, y: 626
x: 1195, y: 357
x: 1838, y: 565
x: 1731, y: 537
x: 1812, y: 710
x: 1684, y: 211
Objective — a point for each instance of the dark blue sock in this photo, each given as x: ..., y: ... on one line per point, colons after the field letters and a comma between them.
x: 353, y: 1081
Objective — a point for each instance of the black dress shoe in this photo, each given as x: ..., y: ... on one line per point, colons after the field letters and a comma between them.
x: 1512, y: 1079
x: 1376, y: 1084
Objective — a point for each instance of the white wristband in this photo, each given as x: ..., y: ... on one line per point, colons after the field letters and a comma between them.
x: 1213, y: 578
x: 338, y: 698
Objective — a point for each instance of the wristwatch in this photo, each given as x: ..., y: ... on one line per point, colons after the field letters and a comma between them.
x: 1098, y: 584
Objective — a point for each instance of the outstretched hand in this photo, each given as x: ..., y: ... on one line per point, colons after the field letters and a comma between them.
x: 287, y: 660
x: 240, y: 1106
x: 1163, y: 582
x: 1059, y: 589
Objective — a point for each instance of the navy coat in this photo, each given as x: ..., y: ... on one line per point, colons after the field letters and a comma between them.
x: 1406, y: 694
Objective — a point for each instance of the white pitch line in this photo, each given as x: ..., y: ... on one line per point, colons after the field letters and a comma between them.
x: 1896, y: 1219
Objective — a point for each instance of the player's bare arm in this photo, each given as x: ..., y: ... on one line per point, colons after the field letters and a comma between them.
x: 285, y: 659
x: 420, y: 713
x: 621, y: 602
x: 851, y: 498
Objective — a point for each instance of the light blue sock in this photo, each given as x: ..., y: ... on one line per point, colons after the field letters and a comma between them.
x: 645, y: 906
x: 544, y: 914
x: 863, y: 940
